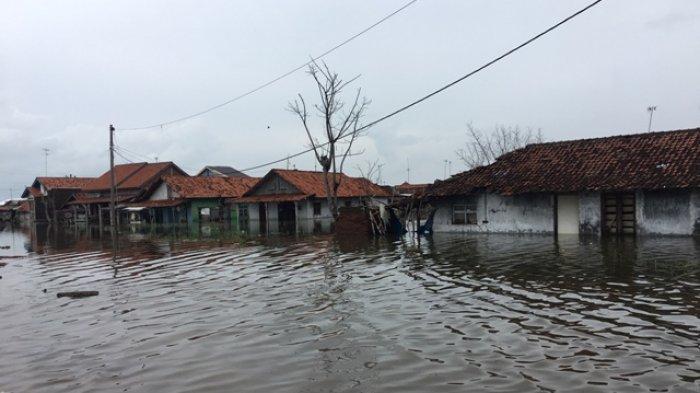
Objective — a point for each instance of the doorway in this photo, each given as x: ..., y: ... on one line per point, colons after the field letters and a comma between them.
x: 619, y: 214
x: 286, y: 216
x: 262, y: 217
x: 567, y: 214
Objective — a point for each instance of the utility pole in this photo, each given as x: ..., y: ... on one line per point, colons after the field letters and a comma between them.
x: 651, y: 110
x: 46, y: 160
x: 112, y: 191
x: 408, y: 172
x: 444, y: 171
x: 449, y: 167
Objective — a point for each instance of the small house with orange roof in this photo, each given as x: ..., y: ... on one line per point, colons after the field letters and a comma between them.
x: 48, y: 197
x: 296, y: 201
x: 192, y: 200
x: 132, y: 181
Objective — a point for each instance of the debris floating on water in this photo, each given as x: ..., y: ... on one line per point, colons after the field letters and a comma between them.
x: 77, y: 294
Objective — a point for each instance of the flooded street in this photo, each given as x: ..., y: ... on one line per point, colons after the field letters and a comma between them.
x: 499, y: 313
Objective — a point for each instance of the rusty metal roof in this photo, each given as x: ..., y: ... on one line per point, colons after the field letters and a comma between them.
x: 650, y: 161
x: 209, y: 187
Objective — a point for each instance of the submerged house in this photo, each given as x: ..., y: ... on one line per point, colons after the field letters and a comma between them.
x: 191, y: 200
x: 296, y: 201
x: 133, y: 181
x: 630, y: 184
x: 48, y: 197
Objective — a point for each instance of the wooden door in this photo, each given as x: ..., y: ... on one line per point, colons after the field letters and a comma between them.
x: 619, y: 214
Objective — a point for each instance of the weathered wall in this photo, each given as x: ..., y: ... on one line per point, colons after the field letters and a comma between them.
x: 589, y: 213
x: 160, y: 193
x: 695, y: 211
x: 531, y: 213
x: 671, y: 212
x: 275, y: 185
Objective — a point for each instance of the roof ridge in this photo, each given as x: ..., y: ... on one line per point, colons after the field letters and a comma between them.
x: 636, y: 134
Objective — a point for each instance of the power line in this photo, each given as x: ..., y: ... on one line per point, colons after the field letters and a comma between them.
x: 135, y: 154
x: 443, y: 88
x: 266, y: 84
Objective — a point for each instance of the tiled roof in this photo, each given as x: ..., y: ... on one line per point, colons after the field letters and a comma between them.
x: 75, y: 183
x: 271, y: 198
x: 31, y: 191
x: 209, y: 187
x: 81, y: 199
x: 224, y: 170
x: 312, y: 183
x: 156, y: 203
x: 407, y: 188
x: 655, y: 160
x: 136, y: 175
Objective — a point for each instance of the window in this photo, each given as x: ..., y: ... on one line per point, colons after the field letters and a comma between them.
x: 348, y: 203
x: 464, y: 213
x: 317, y: 208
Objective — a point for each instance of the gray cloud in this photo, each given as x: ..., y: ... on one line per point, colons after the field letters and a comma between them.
x: 69, y: 68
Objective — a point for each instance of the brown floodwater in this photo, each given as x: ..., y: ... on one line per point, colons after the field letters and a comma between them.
x: 191, y: 311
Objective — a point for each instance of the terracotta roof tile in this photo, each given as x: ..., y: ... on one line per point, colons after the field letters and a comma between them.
x: 312, y: 183
x: 655, y: 160
x: 136, y: 175
x: 271, y: 198
x: 210, y: 187
x: 76, y: 183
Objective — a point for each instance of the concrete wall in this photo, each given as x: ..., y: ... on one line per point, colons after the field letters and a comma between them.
x: 667, y: 212
x: 307, y: 221
x: 589, y: 213
x: 664, y: 212
x: 531, y: 213
x: 160, y: 193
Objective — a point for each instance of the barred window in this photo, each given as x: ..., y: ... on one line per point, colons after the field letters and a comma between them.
x: 464, y: 213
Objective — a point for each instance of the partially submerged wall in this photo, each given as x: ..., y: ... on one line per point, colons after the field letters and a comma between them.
x: 667, y: 212
x: 530, y: 213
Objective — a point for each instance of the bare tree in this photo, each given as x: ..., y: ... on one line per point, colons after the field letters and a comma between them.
x: 484, y: 148
x: 340, y: 126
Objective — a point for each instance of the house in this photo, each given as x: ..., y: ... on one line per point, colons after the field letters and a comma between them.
x: 631, y: 184
x: 408, y: 189
x: 48, y: 197
x: 132, y: 182
x: 296, y: 201
x: 191, y: 200
x: 220, y: 171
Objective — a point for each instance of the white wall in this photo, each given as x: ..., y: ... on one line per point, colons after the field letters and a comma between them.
x: 160, y: 193
x: 532, y: 213
x: 672, y: 212
x: 568, y: 214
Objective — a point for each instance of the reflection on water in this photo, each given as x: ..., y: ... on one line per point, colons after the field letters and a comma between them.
x: 191, y: 311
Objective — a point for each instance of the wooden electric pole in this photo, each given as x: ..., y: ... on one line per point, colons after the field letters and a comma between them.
x: 112, y: 191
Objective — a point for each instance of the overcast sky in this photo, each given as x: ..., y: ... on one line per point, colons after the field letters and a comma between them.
x: 70, y: 68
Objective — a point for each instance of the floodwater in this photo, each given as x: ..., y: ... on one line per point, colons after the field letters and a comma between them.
x: 484, y: 313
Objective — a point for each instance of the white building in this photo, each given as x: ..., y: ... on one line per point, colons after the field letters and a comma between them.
x: 631, y: 184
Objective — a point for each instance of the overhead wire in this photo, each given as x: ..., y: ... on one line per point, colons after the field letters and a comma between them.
x: 441, y: 89
x: 274, y: 80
